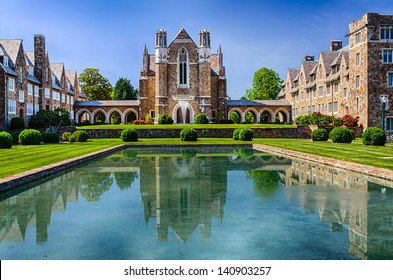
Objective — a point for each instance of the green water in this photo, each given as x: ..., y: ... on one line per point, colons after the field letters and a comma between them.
x: 199, y: 204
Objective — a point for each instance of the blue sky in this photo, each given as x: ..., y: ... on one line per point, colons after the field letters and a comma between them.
x: 110, y: 35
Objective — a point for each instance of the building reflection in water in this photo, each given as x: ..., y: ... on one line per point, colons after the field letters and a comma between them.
x: 185, y: 191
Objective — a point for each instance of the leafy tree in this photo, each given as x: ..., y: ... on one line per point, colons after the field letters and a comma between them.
x: 95, y: 86
x: 123, y: 90
x: 45, y: 118
x: 265, y: 86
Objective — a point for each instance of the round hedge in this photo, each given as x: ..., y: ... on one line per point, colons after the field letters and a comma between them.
x: 30, y: 137
x: 129, y: 135
x: 320, y: 134
x: 234, y: 116
x: 236, y: 133
x: 341, y: 135
x: 79, y: 136
x: 15, y: 136
x: 165, y: 119
x: 17, y: 123
x: 188, y: 134
x: 201, y: 119
x: 66, y: 136
x: 51, y: 138
x: 246, y: 134
x: 5, y: 140
x: 374, y: 136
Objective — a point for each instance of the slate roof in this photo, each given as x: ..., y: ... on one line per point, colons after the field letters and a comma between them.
x: 12, y: 48
x: 308, y: 66
x: 57, y: 69
x: 182, y: 35
x: 93, y: 103
x: 327, y: 59
x: 258, y: 103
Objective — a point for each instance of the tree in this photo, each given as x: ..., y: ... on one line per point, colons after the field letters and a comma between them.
x: 265, y: 86
x: 94, y: 85
x: 123, y: 90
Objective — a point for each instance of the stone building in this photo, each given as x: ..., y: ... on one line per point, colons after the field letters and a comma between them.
x: 348, y: 80
x: 183, y: 79
x: 29, y: 82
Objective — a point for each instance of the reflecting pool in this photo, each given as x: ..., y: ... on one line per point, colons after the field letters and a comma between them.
x: 205, y: 203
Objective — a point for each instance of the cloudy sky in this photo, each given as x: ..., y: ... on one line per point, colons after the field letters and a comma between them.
x: 110, y: 35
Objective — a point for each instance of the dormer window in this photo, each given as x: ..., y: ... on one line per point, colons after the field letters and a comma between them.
x: 5, y: 61
x: 31, y: 71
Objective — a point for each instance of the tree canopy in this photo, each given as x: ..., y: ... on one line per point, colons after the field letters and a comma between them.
x: 94, y: 85
x: 265, y: 86
x: 123, y: 90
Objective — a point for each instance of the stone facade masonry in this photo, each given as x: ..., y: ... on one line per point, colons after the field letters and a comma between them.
x: 347, y: 80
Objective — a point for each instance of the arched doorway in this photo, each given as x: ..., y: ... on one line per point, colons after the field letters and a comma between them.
x: 115, y: 118
x: 183, y: 119
x: 130, y: 117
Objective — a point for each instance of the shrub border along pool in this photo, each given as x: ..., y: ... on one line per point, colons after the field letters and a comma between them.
x: 30, y: 176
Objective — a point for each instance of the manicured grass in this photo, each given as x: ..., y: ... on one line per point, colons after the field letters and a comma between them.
x: 23, y: 158
x: 355, y: 152
x: 181, y: 126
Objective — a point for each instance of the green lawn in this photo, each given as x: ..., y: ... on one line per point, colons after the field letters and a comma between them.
x: 355, y: 152
x: 181, y: 126
x: 23, y: 158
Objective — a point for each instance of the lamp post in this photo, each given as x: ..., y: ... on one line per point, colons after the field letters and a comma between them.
x: 384, y: 107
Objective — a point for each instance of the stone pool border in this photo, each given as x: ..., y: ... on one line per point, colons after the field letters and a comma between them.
x: 368, y: 170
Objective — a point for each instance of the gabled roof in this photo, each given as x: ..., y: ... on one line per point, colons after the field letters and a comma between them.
x: 182, y: 37
x: 307, y: 67
x: 327, y: 58
x: 71, y: 75
x: 12, y: 48
x: 57, y: 69
x: 29, y: 56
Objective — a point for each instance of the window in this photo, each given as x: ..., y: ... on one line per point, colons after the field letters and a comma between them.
x: 336, y: 87
x: 314, y: 93
x: 36, y: 108
x: 390, y: 79
x: 357, y: 38
x: 46, y: 74
x: 335, y: 106
x: 357, y: 81
x: 308, y: 95
x: 313, y: 109
x: 319, y: 107
x: 308, y: 109
x: 183, y: 67
x: 389, y: 123
x: 357, y: 103
x: 29, y: 89
x: 345, y: 92
x: 36, y: 89
x: 357, y: 59
x: 386, y: 34
x: 21, y: 96
x: 11, y: 84
x: 5, y: 61
x: 20, y: 75
x: 330, y: 107
x: 29, y: 108
x: 11, y: 106
x: 323, y: 108
x: 387, y: 55
x: 320, y: 91
x: 31, y: 71
x: 47, y: 93
x: 56, y: 95
x: 328, y: 90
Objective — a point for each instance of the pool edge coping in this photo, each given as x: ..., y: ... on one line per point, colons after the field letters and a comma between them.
x: 364, y: 169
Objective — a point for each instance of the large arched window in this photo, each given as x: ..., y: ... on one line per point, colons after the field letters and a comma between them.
x: 183, y: 67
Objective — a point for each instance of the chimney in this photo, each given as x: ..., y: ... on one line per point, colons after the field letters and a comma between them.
x: 39, y: 55
x: 335, y: 45
x: 309, y: 58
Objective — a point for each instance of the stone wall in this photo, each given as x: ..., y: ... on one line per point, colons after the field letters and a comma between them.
x: 299, y: 132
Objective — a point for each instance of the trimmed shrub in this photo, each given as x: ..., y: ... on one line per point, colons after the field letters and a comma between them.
x: 5, y: 140
x: 165, y: 119
x: 51, y: 138
x: 320, y: 134
x: 374, y: 136
x: 246, y: 134
x: 249, y: 118
x: 129, y: 135
x: 15, y: 136
x: 349, y: 121
x: 66, y: 136
x: 188, y: 134
x: 236, y: 134
x: 79, y: 136
x: 234, y: 116
x: 341, y: 135
x: 30, y: 137
x: 17, y: 123
x: 201, y: 119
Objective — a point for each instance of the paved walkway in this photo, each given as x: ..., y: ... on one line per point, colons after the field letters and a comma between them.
x: 383, y: 173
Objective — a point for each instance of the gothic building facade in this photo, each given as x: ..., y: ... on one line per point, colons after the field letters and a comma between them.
x: 183, y: 79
